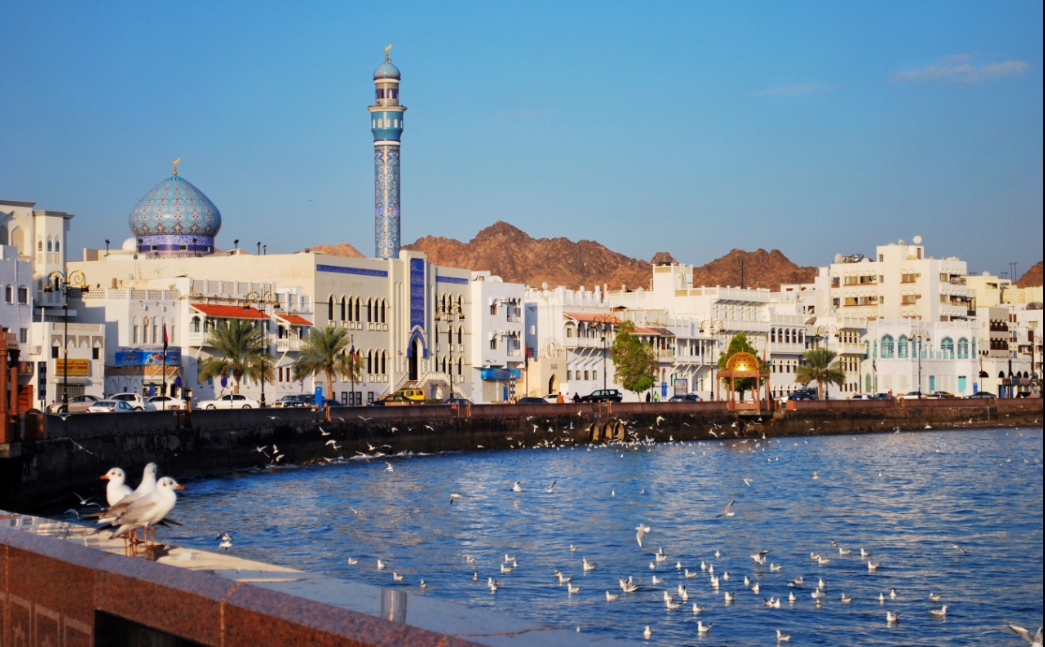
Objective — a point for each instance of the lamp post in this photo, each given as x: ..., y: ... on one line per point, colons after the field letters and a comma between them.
x: 605, y: 322
x: 712, y: 327
x: 59, y: 281
x: 454, y: 313
x: 263, y: 298
x: 922, y: 335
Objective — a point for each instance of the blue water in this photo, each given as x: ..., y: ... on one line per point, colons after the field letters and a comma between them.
x: 905, y: 497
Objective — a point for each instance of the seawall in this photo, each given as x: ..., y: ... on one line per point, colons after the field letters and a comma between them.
x: 79, y: 449
x: 61, y: 587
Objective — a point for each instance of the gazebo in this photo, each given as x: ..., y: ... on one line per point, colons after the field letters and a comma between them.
x: 745, y: 366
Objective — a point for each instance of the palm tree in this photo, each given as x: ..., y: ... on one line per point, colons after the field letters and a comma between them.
x: 240, y: 347
x: 820, y: 367
x: 326, y: 352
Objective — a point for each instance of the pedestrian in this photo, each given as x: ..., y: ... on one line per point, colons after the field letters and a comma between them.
x: 576, y: 398
x: 649, y: 397
x: 560, y: 400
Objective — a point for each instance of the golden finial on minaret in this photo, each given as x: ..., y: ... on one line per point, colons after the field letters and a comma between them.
x: 175, y: 163
x: 387, y: 50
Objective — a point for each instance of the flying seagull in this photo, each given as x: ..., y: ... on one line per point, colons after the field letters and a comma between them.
x: 728, y: 512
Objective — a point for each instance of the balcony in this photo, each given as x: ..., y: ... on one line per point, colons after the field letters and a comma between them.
x: 574, y: 342
x: 197, y: 339
x: 666, y: 354
x: 514, y: 319
x: 515, y: 353
x: 288, y: 345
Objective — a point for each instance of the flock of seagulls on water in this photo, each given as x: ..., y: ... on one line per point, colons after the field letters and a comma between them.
x: 153, y: 501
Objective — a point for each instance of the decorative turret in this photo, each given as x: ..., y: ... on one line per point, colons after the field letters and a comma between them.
x: 387, y: 124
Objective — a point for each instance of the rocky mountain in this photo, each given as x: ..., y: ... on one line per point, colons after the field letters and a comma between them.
x: 759, y: 269
x: 511, y: 254
x: 1032, y: 279
x: 514, y: 256
x: 344, y: 249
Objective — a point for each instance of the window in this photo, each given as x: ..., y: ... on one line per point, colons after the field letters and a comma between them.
x: 96, y: 353
x: 963, y: 350
x: 909, y: 300
x: 493, y: 344
x: 23, y: 336
x: 330, y: 309
x: 888, y: 347
x: 57, y: 245
x: 904, y: 353
x: 54, y: 352
x: 9, y: 294
x: 23, y: 296
x: 947, y: 348
x: 909, y: 278
x: 493, y: 309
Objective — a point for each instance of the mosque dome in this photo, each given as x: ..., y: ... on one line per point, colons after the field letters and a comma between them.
x: 175, y: 207
x: 387, y: 71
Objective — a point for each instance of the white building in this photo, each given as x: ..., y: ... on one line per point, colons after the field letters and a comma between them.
x: 943, y: 354
x: 81, y: 372
x: 901, y: 282
x: 16, y: 280
x: 499, y: 348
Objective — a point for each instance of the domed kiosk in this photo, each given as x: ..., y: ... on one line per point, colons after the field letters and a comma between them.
x: 175, y: 220
x: 745, y: 366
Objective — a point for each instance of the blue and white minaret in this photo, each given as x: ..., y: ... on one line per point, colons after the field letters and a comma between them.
x: 387, y: 123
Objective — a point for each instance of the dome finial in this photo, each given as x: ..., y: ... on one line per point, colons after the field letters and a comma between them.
x: 387, y: 50
x: 175, y: 163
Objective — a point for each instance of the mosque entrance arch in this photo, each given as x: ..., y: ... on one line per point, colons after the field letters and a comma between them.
x: 553, y: 385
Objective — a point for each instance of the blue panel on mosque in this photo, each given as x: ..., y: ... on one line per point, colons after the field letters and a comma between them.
x: 417, y: 293
x: 357, y: 271
x: 451, y: 280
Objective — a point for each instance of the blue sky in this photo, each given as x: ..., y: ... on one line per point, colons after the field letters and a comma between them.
x: 690, y: 127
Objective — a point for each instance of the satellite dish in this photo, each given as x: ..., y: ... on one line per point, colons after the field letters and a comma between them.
x: 901, y: 242
x: 917, y: 240
x: 838, y: 259
x: 544, y: 286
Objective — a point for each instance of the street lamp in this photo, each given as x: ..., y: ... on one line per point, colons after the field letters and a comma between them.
x: 605, y: 321
x: 922, y: 335
x: 712, y: 327
x: 59, y: 281
x: 263, y: 298
x: 453, y: 313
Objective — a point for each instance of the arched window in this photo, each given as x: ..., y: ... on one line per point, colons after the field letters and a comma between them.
x: 460, y: 335
x: 135, y: 332
x: 876, y: 350
x: 384, y: 360
x: 370, y: 363
x: 867, y: 382
x: 384, y: 305
x: 904, y: 350
x: 345, y: 315
x: 947, y: 348
x: 370, y: 311
x: 772, y: 335
x: 40, y: 245
x: 330, y: 309
x: 888, y: 347
x: 460, y: 367
x: 57, y: 245
x: 358, y: 303
x: 974, y: 348
x: 145, y: 330
x: 963, y: 348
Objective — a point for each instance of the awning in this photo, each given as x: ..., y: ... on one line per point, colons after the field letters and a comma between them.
x: 294, y: 320
x: 663, y: 332
x: 228, y: 312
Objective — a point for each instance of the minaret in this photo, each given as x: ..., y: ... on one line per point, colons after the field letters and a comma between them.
x: 387, y: 123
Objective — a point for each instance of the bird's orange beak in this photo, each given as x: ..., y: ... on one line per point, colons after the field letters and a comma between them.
x: 179, y: 487
x: 105, y: 478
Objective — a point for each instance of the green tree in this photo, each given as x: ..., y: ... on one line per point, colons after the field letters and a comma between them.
x: 240, y: 354
x: 634, y: 362
x: 740, y: 344
x: 820, y: 367
x: 325, y: 352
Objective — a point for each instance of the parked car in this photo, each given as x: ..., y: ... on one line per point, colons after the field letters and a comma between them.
x: 111, y: 406
x: 395, y: 399
x: 79, y: 404
x: 296, y: 402
x: 982, y: 395
x: 136, y: 401
x: 164, y: 403
x: 803, y: 396
x: 333, y: 404
x: 610, y: 395
x: 913, y: 395
x: 940, y: 395
x: 1028, y: 396
x: 229, y: 402
x: 885, y: 396
x: 861, y: 396
x: 414, y: 395
x: 687, y: 398
x: 532, y: 401
x: 457, y: 402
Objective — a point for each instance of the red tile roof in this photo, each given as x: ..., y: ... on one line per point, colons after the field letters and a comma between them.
x: 647, y: 332
x: 593, y: 317
x: 228, y: 312
x: 295, y: 320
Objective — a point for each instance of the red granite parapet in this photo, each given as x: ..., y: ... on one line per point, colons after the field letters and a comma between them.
x: 51, y: 589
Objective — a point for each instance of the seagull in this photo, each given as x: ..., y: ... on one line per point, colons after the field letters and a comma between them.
x: 959, y: 549
x: 846, y: 600
x: 648, y: 634
x: 260, y: 450
x: 117, y: 489
x: 702, y: 629
x: 516, y: 487
x: 396, y: 577
x: 760, y: 558
x: 381, y: 565
x: 942, y: 613
x: 611, y: 598
x: 728, y: 512
x: 747, y: 482
x: 390, y: 468
x: 935, y: 598
x: 890, y: 618
x: 816, y: 475
x: 454, y: 497
x: 571, y: 589
x: 150, y: 509
x: 589, y: 566
x: 729, y: 598
x: 333, y: 443
x: 643, y: 531
x: 147, y: 485
x: 323, y: 433
x: 1023, y: 633
x: 551, y: 490
x: 80, y: 447
x: 781, y: 638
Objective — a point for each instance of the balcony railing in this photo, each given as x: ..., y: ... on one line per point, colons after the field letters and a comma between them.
x: 288, y: 345
x: 198, y: 339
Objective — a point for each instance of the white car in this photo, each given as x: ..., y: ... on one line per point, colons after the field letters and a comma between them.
x: 164, y: 403
x: 136, y: 401
x: 861, y: 396
x: 111, y: 406
x: 230, y: 402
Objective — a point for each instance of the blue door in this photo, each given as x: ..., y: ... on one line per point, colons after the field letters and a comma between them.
x: 962, y: 383
x: 932, y: 384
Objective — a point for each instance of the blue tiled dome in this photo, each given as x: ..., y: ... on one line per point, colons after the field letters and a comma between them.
x: 387, y: 71
x: 175, y: 207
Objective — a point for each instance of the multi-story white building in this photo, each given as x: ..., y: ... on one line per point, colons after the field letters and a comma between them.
x: 499, y: 351
x: 901, y: 282
x: 16, y: 280
x: 68, y: 357
x: 905, y: 355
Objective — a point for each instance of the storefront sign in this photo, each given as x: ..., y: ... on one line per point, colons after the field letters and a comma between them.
x: 681, y: 388
x: 73, y: 367
x: 147, y: 356
x: 500, y: 374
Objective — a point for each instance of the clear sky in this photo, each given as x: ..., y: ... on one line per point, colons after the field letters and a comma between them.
x: 690, y: 127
